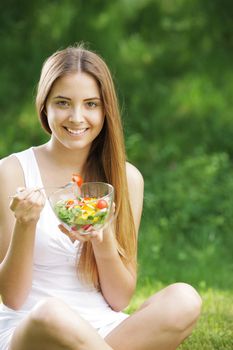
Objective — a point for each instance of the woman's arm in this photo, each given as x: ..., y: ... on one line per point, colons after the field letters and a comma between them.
x: 118, y: 281
x: 18, y: 221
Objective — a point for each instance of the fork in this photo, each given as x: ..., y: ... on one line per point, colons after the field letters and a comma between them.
x: 69, y: 184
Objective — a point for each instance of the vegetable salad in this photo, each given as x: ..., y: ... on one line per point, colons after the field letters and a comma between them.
x: 82, y: 213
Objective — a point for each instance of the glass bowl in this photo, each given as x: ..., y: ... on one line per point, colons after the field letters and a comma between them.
x: 84, y: 208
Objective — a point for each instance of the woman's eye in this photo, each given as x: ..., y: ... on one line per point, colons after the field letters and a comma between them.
x: 91, y: 104
x: 63, y: 103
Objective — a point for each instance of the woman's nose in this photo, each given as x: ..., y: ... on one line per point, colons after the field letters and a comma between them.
x: 76, y: 115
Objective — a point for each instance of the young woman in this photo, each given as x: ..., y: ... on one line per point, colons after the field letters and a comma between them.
x: 61, y: 289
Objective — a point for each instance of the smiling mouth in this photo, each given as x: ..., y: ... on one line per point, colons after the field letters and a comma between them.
x: 76, y: 132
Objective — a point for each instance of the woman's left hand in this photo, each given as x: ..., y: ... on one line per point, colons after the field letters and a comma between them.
x: 91, y: 235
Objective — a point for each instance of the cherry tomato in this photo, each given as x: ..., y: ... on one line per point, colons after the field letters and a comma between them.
x: 101, y: 204
x: 86, y: 227
x: 77, y: 179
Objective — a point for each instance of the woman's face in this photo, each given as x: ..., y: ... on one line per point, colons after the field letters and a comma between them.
x: 75, y: 111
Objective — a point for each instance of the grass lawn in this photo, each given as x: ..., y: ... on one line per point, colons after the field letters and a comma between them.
x: 215, y: 328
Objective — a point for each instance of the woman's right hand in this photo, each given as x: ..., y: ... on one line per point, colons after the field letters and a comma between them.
x: 27, y: 204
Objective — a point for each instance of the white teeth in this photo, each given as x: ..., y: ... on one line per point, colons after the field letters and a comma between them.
x: 76, y: 132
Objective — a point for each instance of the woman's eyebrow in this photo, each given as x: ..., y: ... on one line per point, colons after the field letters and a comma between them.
x: 92, y: 98
x: 86, y: 99
x: 63, y: 97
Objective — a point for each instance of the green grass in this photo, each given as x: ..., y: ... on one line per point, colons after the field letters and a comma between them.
x: 214, y: 330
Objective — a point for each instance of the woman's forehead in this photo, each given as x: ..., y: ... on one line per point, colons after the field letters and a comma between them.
x: 78, y: 83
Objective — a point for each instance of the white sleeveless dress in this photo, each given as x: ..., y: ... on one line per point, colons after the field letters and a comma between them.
x: 54, y: 272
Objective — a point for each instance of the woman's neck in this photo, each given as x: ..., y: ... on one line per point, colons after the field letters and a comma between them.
x: 66, y: 158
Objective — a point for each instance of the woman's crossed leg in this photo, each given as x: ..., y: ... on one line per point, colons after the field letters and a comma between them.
x: 161, y: 323
x: 52, y: 325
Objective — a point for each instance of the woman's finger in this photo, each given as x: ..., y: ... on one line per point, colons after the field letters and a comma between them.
x: 63, y: 229
x: 75, y: 235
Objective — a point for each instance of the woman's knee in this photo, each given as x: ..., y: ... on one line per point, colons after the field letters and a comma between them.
x: 186, y: 305
x: 53, y: 319
x: 41, y: 325
x: 47, y: 313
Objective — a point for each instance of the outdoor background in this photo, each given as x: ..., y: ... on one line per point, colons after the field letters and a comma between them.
x: 172, y: 63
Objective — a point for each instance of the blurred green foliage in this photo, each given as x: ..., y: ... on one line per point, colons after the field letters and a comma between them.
x: 172, y: 64
x: 188, y: 223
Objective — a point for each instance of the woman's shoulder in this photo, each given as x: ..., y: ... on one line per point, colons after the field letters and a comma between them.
x: 136, y: 192
x: 12, y: 160
x: 10, y: 171
x: 9, y: 163
x: 134, y: 175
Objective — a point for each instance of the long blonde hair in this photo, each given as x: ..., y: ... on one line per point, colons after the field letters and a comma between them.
x: 107, y: 158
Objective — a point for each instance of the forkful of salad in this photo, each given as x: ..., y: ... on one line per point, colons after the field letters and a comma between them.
x: 76, y: 178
